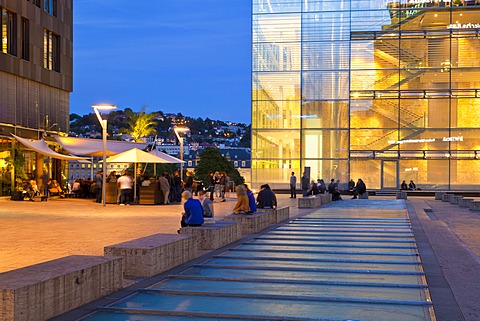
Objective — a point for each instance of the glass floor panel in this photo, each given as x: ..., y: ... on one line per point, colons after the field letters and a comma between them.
x: 275, y: 264
x: 309, y: 290
x: 313, y: 276
x: 273, y: 308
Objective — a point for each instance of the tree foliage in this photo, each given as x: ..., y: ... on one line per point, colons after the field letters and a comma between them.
x: 141, y: 125
x: 211, y: 160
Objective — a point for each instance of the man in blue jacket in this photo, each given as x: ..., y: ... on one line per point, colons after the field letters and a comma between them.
x: 193, y: 215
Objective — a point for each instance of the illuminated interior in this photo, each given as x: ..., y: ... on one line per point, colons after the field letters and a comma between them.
x: 381, y: 91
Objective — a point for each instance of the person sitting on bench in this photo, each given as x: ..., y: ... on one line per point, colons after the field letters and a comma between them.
x: 55, y: 189
x: 193, y: 215
x: 266, y: 198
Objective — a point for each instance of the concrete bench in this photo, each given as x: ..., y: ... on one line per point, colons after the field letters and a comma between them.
x: 446, y: 197
x: 325, y: 198
x: 43, y: 291
x: 454, y: 199
x: 465, y: 202
x: 439, y: 196
x: 309, y: 202
x: 278, y: 215
x: 475, y: 206
x: 154, y: 254
x: 401, y: 195
x: 363, y: 196
x: 251, y: 223
x: 216, y: 235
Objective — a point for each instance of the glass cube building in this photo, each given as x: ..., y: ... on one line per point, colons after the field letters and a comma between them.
x: 385, y: 91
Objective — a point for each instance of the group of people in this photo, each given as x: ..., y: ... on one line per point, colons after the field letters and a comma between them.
x: 49, y: 187
x: 310, y: 187
x: 246, y: 202
x: 411, y: 186
x: 196, y: 211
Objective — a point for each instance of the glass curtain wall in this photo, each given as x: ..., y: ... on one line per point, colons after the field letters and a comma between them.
x: 385, y: 91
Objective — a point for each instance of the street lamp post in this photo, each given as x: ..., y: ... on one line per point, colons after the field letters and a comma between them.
x: 180, y: 139
x: 103, y: 122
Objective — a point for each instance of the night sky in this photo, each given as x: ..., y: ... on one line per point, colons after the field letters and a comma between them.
x: 178, y: 56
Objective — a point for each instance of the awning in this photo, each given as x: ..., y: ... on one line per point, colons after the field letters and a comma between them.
x: 94, y: 147
x: 41, y: 147
x: 136, y: 156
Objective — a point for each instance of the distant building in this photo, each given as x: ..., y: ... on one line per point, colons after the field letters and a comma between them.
x: 36, y: 78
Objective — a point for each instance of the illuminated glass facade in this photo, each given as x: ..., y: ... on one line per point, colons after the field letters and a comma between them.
x: 380, y: 90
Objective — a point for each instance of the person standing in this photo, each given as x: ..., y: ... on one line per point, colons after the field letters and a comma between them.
x: 222, y: 186
x: 305, y: 182
x: 164, y: 187
x: 293, y: 186
x: 45, y: 179
x: 124, y: 185
x: 212, y: 185
x: 98, y: 186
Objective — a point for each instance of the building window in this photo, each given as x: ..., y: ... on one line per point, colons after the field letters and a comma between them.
x: 51, y: 51
x: 50, y: 6
x: 189, y: 163
x: 8, y: 22
x: 37, y: 3
x: 244, y: 164
x: 235, y: 163
x: 25, y: 39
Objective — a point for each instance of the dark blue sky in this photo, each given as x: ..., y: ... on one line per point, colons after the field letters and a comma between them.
x: 179, y: 56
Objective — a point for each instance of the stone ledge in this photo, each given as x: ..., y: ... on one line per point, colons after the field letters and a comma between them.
x: 475, y: 206
x: 43, y: 291
x: 216, y: 235
x: 278, y: 215
x: 251, y: 223
x: 465, y: 202
x: 154, y: 254
x: 309, y: 202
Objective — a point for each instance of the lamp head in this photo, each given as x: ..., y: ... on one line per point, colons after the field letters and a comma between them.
x: 104, y: 106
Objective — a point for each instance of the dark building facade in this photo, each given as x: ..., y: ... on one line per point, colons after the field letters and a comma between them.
x: 36, y: 78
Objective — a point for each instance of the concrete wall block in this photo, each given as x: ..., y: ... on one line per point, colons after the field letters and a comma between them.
x: 475, y: 206
x: 439, y: 196
x: 465, y: 202
x: 214, y: 236
x: 278, y: 215
x: 325, y: 198
x: 46, y: 290
x: 455, y: 199
x: 154, y: 254
x: 309, y: 202
x: 446, y: 197
x: 251, y: 223
x: 401, y: 195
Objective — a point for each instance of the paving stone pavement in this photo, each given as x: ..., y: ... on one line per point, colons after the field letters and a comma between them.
x: 34, y: 232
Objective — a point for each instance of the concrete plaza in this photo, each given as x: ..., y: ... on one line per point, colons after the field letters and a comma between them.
x: 448, y: 238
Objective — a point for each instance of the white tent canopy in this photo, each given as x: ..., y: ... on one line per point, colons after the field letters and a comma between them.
x: 136, y: 155
x: 41, y: 147
x: 94, y: 147
x: 165, y: 156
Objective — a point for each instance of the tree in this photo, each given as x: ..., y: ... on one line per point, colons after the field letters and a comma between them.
x: 141, y: 125
x: 211, y: 160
